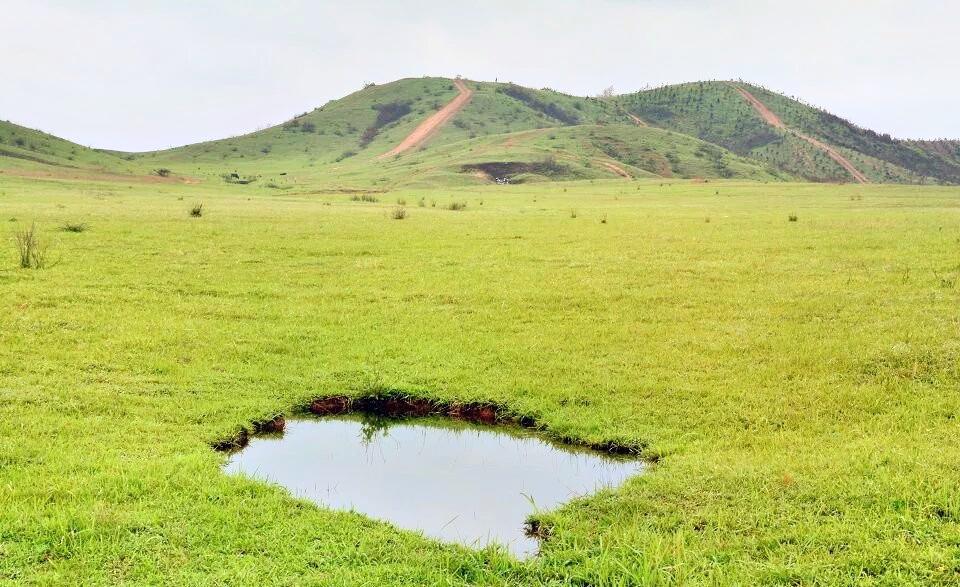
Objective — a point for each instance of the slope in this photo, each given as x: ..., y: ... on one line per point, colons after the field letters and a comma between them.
x: 773, y: 120
x: 717, y: 112
x: 354, y: 140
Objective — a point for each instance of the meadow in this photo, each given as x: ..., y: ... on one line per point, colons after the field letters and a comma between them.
x: 787, y: 355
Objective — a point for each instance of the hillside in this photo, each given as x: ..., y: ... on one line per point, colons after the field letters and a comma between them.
x: 946, y: 150
x: 469, y: 132
x: 27, y: 147
x: 719, y: 113
x: 500, y: 133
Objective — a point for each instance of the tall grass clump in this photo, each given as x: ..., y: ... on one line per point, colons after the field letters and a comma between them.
x: 32, y: 252
x: 792, y: 218
x: 457, y: 206
x: 74, y: 227
x: 196, y: 211
x: 398, y: 213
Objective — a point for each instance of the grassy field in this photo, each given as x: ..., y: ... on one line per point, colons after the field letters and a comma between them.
x: 798, y: 380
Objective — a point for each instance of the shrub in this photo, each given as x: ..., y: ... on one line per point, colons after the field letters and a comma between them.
x: 197, y: 210
x: 457, y: 206
x: 398, y: 213
x: 363, y: 198
x: 235, y: 178
x: 792, y: 218
x: 74, y: 227
x: 32, y: 252
x: 162, y: 172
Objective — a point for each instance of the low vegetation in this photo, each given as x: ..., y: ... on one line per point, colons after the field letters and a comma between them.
x: 33, y: 252
x: 787, y: 452
x: 74, y: 227
x: 795, y: 382
x: 550, y: 109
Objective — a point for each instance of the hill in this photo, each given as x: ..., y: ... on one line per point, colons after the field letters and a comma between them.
x: 721, y: 113
x: 420, y: 131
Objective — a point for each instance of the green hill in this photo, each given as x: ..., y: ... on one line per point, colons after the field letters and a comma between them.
x: 507, y: 132
x: 21, y: 146
x: 716, y: 112
x: 533, y: 135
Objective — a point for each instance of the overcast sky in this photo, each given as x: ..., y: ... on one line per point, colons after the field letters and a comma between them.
x: 143, y: 74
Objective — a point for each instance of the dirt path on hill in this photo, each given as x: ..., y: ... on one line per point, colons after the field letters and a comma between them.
x: 773, y: 120
x: 639, y: 121
x: 616, y: 169
x: 428, y: 127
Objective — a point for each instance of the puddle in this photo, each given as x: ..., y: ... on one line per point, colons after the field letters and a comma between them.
x: 454, y: 481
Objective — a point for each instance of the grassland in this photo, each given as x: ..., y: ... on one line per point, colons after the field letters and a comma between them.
x: 797, y: 380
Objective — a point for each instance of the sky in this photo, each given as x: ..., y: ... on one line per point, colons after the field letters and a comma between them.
x: 142, y: 74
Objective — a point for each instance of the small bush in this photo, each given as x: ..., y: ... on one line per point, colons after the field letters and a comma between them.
x: 32, y: 252
x: 196, y: 211
x: 363, y: 198
x: 74, y: 227
x: 162, y: 172
x: 457, y: 206
x: 792, y: 218
x: 398, y: 213
x: 235, y: 178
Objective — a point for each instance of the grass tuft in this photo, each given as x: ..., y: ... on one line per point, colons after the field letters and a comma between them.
x: 197, y: 210
x: 32, y: 252
x: 74, y: 227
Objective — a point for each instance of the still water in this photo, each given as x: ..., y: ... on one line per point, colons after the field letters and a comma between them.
x: 454, y: 481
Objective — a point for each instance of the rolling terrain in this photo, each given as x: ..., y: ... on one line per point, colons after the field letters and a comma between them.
x: 437, y: 131
x: 656, y: 271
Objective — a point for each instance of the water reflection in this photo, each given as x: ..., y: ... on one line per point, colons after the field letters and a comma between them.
x: 458, y: 482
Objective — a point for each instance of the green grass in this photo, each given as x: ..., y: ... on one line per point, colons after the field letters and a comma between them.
x: 798, y: 380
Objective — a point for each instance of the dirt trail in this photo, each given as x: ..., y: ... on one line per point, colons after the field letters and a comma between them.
x: 773, y: 120
x: 428, y: 127
x: 639, y: 121
x: 616, y: 169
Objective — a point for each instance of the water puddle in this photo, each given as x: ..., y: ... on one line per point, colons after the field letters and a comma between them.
x: 455, y: 481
